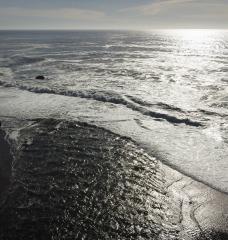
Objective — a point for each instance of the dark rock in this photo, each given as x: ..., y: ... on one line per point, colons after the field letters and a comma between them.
x: 40, y: 77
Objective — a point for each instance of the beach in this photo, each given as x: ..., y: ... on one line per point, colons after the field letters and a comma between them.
x: 73, y: 180
x: 113, y: 135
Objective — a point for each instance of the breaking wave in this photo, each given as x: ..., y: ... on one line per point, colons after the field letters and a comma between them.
x: 23, y: 60
x: 111, y: 97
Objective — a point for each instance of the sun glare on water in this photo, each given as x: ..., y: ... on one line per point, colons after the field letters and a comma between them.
x: 197, y: 41
x: 194, y: 34
x: 197, y: 38
x: 192, y: 52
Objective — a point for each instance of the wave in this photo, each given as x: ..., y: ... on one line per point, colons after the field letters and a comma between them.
x: 23, y: 60
x: 109, y: 97
x: 137, y: 48
x: 212, y: 113
x: 159, y: 104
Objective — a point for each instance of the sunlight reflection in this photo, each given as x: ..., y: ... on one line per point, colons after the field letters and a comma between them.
x: 194, y: 54
x: 198, y: 40
x: 195, y: 34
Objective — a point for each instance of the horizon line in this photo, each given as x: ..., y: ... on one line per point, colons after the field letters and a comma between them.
x: 104, y: 29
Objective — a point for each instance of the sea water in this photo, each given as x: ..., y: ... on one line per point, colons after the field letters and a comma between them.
x: 167, y: 90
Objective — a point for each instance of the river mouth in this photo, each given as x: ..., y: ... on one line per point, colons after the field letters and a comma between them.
x: 72, y: 180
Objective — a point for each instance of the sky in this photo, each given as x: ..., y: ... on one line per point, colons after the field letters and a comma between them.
x: 113, y: 14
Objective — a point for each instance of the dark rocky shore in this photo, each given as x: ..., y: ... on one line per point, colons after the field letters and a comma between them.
x: 70, y: 180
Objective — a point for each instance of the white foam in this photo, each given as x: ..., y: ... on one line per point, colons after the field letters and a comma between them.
x: 189, y: 149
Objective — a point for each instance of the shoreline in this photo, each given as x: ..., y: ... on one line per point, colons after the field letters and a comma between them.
x: 119, y: 190
x: 176, y: 159
x: 138, y: 144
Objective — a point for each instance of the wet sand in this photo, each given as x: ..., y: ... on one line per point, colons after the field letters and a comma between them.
x: 76, y: 181
x: 5, y: 163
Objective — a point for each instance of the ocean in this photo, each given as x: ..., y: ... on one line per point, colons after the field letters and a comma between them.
x: 166, y: 90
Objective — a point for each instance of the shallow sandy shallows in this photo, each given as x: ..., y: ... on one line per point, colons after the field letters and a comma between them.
x: 71, y: 180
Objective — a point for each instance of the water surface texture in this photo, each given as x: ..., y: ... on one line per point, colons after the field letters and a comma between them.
x: 167, y: 90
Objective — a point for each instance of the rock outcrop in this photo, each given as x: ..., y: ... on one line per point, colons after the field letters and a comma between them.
x: 40, y: 77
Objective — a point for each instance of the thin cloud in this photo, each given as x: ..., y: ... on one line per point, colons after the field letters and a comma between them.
x: 61, y: 13
x: 182, y: 13
x: 176, y: 6
x: 157, y: 14
x: 155, y: 7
